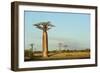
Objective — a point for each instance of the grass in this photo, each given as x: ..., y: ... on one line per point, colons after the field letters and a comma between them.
x: 59, y: 55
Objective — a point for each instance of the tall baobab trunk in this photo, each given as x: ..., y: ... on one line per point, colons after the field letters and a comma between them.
x: 44, y: 26
x: 45, y: 44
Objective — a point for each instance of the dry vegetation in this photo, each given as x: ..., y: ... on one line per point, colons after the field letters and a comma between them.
x: 57, y: 55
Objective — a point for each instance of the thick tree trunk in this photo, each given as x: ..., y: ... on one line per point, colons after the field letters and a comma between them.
x: 45, y: 44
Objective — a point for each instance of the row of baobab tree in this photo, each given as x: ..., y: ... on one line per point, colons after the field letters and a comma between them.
x: 45, y: 26
x: 61, y: 47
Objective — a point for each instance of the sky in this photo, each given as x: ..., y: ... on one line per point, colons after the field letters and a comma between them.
x: 71, y: 29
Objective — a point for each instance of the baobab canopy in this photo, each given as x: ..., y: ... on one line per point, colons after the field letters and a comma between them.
x: 44, y: 25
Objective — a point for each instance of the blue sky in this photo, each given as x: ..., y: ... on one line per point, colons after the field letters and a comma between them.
x: 72, y: 29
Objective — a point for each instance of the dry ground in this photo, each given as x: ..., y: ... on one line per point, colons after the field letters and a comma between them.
x: 60, y: 55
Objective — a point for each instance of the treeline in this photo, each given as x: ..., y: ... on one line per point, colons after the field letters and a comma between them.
x: 54, y: 51
x: 85, y: 50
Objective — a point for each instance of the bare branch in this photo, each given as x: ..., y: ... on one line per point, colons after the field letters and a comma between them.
x: 38, y: 26
x: 48, y: 28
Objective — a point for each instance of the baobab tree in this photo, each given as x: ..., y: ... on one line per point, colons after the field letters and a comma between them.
x: 44, y: 26
x: 31, y: 46
x: 65, y: 46
x: 31, y: 50
x: 60, y: 46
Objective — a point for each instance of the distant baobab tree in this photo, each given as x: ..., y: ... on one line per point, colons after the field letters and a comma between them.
x: 65, y: 46
x: 44, y: 26
x: 60, y: 46
x: 31, y: 50
x: 31, y: 46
